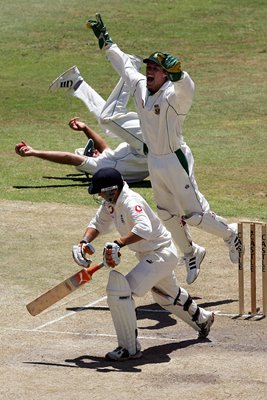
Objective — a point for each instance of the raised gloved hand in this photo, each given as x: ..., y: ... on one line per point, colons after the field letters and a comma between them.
x: 100, y: 31
x: 81, y: 253
x: 111, y: 254
x: 172, y: 66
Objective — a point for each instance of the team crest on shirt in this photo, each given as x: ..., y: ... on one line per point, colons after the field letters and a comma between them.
x: 138, y: 208
x: 156, y: 109
x: 111, y: 209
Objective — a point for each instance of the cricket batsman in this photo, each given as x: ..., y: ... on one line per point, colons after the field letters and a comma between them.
x: 141, y: 230
x: 163, y: 98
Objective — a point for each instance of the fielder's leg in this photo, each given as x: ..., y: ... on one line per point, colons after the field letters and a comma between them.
x: 122, y: 308
x: 92, y: 100
x: 73, y: 82
x: 216, y: 225
x: 118, y: 120
x: 193, y: 253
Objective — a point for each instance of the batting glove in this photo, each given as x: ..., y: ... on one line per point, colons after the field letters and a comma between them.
x: 173, y: 67
x: 111, y: 254
x: 100, y: 31
x: 82, y: 252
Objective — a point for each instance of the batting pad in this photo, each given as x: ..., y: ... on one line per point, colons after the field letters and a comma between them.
x: 122, y: 308
x: 166, y: 302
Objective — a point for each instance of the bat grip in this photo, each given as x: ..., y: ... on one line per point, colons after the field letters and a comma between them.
x: 94, y: 268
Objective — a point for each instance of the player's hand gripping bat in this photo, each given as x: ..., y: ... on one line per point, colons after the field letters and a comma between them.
x: 62, y: 290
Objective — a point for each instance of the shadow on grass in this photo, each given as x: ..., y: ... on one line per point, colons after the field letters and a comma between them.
x: 79, y: 179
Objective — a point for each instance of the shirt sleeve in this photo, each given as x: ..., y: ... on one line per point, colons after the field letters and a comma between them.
x: 102, y: 221
x: 184, y: 92
x: 121, y: 62
x: 140, y: 221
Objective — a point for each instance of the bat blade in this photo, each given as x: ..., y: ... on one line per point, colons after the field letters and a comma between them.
x: 62, y: 290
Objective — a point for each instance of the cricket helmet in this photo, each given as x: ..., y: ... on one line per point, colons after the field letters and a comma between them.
x: 166, y: 61
x: 105, y: 179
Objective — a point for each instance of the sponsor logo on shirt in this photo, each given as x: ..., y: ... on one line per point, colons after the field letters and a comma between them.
x: 138, y: 208
x: 122, y: 219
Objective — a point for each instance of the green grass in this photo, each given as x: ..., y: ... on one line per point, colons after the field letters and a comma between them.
x: 222, y: 45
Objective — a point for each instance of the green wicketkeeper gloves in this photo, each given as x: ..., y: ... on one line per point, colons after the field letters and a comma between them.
x: 100, y: 31
x: 173, y: 67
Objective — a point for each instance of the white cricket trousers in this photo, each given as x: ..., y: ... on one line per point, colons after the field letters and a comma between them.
x: 112, y: 115
x: 157, y: 270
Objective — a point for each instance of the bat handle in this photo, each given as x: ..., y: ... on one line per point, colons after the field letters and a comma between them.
x: 94, y: 268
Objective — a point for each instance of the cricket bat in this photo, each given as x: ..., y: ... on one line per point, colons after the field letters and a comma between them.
x: 62, y: 290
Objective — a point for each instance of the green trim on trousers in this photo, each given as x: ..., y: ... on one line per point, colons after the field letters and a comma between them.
x: 181, y: 157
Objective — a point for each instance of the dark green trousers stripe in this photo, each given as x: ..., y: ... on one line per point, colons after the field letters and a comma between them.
x: 181, y: 157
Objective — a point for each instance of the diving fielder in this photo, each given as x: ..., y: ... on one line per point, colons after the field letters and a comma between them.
x: 163, y: 99
x: 140, y: 229
x: 115, y: 120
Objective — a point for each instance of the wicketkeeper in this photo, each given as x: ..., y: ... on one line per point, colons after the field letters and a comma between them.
x: 141, y: 230
x: 163, y: 98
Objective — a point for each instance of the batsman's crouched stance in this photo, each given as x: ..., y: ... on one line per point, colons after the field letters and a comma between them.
x: 142, y: 231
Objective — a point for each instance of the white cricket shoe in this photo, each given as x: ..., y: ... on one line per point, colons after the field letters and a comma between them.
x: 121, y: 354
x: 234, y: 244
x: 193, y: 262
x: 205, y: 327
x: 67, y: 80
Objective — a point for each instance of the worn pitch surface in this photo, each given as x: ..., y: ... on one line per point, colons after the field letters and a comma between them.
x: 59, y: 354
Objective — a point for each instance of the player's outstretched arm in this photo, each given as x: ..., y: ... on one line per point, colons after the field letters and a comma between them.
x: 59, y: 157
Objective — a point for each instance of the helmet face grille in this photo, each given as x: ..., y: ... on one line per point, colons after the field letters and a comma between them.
x: 109, y: 194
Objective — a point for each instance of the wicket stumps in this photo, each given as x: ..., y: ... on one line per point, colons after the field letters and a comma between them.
x: 250, y: 244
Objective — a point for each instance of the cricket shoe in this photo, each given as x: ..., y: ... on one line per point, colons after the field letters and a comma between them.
x: 89, y: 148
x: 234, y: 244
x: 121, y: 354
x: 193, y: 262
x: 205, y: 327
x: 68, y: 80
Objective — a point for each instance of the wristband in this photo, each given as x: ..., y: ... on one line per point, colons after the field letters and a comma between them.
x: 119, y: 243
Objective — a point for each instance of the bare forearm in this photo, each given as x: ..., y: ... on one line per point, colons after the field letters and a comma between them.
x: 100, y: 144
x: 129, y: 239
x: 90, y: 234
x: 59, y: 157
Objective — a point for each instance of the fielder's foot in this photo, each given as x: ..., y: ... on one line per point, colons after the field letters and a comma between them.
x: 205, y: 327
x: 121, y: 354
x: 89, y: 148
x: 193, y: 262
x: 68, y: 80
x: 234, y: 244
